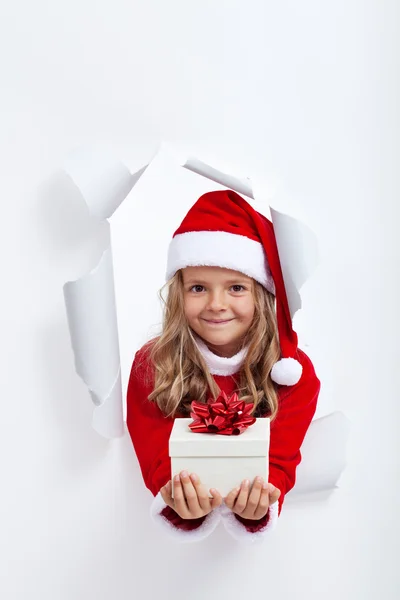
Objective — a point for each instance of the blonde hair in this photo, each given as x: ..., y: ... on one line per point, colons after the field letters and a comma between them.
x: 181, y: 374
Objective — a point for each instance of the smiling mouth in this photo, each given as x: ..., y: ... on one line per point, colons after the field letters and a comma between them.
x: 217, y: 322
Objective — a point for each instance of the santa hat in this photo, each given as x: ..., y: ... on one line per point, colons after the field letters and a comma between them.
x: 223, y: 230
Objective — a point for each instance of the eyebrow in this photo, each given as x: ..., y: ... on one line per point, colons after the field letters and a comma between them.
x: 192, y: 280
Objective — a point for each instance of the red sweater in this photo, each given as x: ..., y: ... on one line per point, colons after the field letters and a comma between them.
x: 150, y: 429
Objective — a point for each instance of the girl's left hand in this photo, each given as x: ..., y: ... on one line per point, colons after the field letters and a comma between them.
x: 254, y: 503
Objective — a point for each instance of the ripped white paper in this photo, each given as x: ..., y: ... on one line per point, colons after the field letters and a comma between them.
x: 241, y: 186
x: 297, y: 247
x: 91, y: 312
x: 104, y: 182
x: 323, y: 454
x: 298, y: 255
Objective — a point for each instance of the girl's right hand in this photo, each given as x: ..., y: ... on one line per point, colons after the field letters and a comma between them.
x: 190, y: 499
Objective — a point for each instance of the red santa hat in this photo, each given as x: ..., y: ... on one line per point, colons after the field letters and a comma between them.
x: 223, y: 230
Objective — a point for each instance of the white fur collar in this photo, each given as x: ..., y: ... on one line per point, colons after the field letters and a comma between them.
x: 220, y: 365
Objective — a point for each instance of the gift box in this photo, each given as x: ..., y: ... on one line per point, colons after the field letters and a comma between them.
x: 221, y: 461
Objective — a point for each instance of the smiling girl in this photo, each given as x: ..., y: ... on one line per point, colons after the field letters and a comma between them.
x: 226, y: 327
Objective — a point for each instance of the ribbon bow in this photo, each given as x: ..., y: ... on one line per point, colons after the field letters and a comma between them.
x: 226, y: 416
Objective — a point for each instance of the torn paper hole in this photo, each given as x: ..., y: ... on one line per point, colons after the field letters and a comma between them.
x: 104, y: 182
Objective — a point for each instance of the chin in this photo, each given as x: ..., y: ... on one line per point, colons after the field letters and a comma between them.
x: 219, y: 340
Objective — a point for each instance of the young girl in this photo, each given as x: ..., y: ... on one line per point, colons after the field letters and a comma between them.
x: 226, y: 327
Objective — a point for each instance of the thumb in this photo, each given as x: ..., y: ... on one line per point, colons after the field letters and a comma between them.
x: 166, y: 493
x: 216, y: 499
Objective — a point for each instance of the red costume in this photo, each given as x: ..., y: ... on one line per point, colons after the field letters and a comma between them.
x: 150, y: 431
x: 222, y: 229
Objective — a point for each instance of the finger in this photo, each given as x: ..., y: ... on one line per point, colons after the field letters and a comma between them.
x: 190, y: 493
x: 216, y: 499
x: 231, y: 497
x: 263, y: 504
x: 274, y: 493
x: 179, y: 498
x: 202, y: 495
x: 241, y: 500
x: 254, y: 497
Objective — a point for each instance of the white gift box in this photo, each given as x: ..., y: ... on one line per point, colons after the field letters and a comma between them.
x: 221, y: 461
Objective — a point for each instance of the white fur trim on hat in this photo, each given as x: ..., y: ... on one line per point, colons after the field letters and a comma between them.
x: 238, y: 531
x: 219, y: 249
x: 195, y: 535
x: 286, y: 371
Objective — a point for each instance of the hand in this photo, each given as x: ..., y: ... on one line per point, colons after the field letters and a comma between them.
x: 252, y: 504
x: 190, y: 500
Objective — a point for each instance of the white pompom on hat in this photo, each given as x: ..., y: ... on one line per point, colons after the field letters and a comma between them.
x: 223, y: 230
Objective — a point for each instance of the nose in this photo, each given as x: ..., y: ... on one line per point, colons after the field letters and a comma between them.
x: 217, y: 301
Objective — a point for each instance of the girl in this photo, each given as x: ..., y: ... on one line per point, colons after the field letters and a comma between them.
x: 226, y: 327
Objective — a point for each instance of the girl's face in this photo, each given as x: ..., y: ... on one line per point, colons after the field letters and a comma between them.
x: 219, y: 306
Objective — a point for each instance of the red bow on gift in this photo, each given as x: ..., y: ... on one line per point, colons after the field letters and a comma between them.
x: 227, y: 416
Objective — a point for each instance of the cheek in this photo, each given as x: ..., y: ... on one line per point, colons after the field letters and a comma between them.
x: 191, y: 308
x: 246, y: 309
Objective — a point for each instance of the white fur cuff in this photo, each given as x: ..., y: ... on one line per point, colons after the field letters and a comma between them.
x: 238, y: 531
x: 195, y: 535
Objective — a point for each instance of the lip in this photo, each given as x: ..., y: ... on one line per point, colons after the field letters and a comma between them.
x: 217, y: 322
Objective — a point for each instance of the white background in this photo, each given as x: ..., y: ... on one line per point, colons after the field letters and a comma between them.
x: 304, y: 92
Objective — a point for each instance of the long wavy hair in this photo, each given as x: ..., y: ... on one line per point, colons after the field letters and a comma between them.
x: 181, y: 374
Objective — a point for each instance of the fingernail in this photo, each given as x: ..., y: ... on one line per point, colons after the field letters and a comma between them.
x: 193, y: 477
x: 271, y: 487
x: 265, y: 486
x: 259, y: 479
x: 176, y: 478
x: 184, y: 474
x: 246, y: 483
